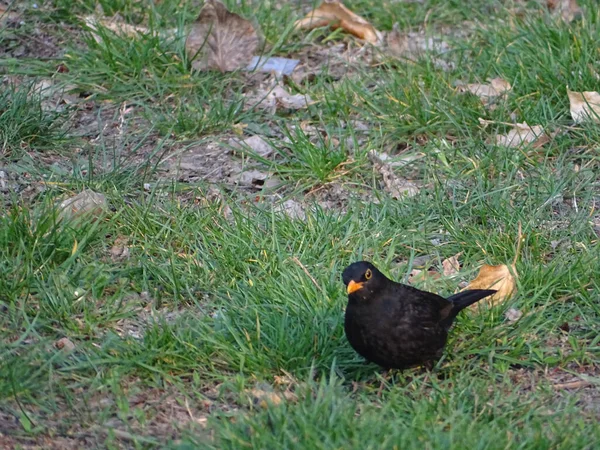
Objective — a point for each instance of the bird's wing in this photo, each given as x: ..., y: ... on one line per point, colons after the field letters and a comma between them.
x: 421, y: 305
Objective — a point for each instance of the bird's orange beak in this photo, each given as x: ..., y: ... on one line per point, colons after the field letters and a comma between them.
x: 353, y: 286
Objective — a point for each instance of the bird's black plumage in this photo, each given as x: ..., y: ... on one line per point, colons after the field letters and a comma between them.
x: 398, y: 326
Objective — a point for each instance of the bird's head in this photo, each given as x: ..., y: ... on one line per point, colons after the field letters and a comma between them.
x: 362, y: 278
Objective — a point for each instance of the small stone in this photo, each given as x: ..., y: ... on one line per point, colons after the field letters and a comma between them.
x: 87, y: 202
x: 64, y: 344
x: 512, y: 315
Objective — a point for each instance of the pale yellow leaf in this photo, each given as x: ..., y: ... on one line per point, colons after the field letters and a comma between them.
x: 499, y: 278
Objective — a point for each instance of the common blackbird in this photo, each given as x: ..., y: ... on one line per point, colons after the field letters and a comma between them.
x: 398, y: 326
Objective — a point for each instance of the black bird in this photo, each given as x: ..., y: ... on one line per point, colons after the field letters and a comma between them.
x: 398, y: 326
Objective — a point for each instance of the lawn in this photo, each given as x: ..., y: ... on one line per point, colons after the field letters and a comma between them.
x: 199, y: 303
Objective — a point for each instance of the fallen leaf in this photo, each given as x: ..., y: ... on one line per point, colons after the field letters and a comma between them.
x: 254, y: 143
x: 64, y: 344
x: 265, y: 398
x: 487, y: 92
x: 522, y: 134
x: 394, y: 185
x: 222, y: 40
x: 292, y: 209
x: 277, y: 98
x: 410, y: 45
x: 568, y: 9
x: 497, y: 277
x: 116, y: 25
x: 417, y: 276
x: 512, y: 315
x: 333, y: 13
x: 451, y: 266
x: 584, y: 106
x: 6, y: 15
x: 86, y: 203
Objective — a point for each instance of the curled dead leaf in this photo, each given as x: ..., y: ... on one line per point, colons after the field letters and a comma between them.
x: 221, y: 39
x: 333, y: 13
x: 500, y: 277
x: 584, y: 106
x: 395, y: 186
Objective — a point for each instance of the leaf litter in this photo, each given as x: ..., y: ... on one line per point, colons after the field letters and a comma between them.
x: 519, y: 135
x: 273, y: 98
x: 394, y: 185
x: 487, y: 92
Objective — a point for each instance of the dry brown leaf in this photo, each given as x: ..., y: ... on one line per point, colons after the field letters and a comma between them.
x: 225, y: 41
x: 395, y: 186
x: 584, y: 106
x: 499, y: 278
x: 521, y: 135
x: 451, y: 266
x: 568, y: 9
x: 333, y: 13
x: 487, y: 92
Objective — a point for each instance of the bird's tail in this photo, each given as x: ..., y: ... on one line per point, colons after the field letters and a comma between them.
x: 466, y: 298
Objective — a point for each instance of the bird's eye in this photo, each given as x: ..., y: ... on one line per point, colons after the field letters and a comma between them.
x: 368, y: 274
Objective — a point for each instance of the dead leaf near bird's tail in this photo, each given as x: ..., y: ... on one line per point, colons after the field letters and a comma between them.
x: 333, y: 13
x: 502, y: 278
x: 451, y: 265
x: 221, y: 40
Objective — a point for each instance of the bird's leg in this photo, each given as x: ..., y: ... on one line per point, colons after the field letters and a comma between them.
x: 383, y: 380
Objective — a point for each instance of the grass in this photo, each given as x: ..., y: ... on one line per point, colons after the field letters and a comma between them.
x: 220, y: 294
